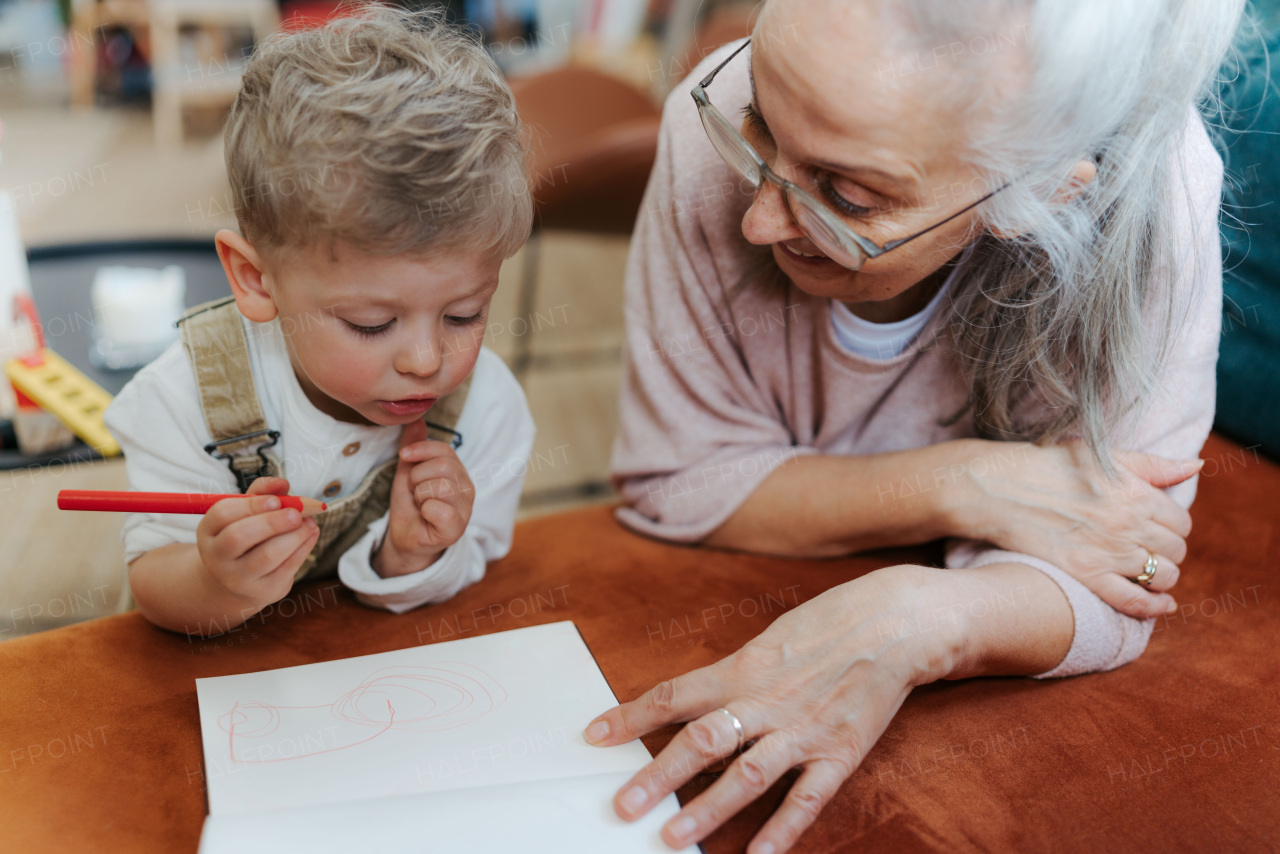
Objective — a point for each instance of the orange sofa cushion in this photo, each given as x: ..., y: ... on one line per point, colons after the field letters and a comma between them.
x: 1179, y: 750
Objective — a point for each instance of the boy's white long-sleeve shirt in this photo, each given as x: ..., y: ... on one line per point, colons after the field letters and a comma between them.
x: 157, y: 419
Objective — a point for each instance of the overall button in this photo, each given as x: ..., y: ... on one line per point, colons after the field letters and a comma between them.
x: 333, y: 489
x: 351, y: 449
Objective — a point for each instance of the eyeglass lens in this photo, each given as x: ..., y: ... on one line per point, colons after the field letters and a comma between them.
x: 731, y: 147
x: 737, y: 153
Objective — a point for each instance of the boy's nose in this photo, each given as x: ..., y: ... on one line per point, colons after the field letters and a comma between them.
x: 421, y: 359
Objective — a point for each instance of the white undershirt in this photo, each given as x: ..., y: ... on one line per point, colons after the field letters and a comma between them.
x: 881, y: 340
x: 887, y: 340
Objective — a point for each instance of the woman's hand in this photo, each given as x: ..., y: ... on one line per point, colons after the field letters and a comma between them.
x: 1054, y: 503
x: 815, y: 690
x: 818, y: 687
x: 1050, y: 502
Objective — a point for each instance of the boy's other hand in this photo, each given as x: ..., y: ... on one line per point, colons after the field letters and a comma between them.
x: 431, y: 498
x: 251, y: 546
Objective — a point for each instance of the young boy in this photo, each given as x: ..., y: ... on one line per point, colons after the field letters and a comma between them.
x: 378, y: 173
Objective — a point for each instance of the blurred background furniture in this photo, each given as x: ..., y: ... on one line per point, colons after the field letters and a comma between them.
x: 696, y: 28
x: 195, y: 58
x: 58, y: 567
x: 61, y: 277
x: 91, y: 21
x: 595, y: 137
x: 594, y: 140
x: 1249, y: 350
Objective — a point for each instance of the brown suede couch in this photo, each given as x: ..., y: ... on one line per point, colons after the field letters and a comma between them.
x: 1179, y: 751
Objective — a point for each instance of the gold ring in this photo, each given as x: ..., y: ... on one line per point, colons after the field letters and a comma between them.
x: 1148, y: 571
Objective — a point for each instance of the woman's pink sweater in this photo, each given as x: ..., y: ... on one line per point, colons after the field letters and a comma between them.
x: 725, y: 382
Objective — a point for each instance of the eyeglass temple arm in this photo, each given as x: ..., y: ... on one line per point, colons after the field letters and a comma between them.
x: 894, y: 244
x: 706, y: 81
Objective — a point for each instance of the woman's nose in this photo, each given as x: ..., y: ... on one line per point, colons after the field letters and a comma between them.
x: 769, y: 220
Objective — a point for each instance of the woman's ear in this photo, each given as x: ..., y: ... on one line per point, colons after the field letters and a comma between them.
x: 1082, y: 175
x: 245, y: 273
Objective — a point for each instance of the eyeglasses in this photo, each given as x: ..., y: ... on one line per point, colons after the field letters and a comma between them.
x: 819, y: 223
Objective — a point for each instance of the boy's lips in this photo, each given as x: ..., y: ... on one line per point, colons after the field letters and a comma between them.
x: 407, y: 406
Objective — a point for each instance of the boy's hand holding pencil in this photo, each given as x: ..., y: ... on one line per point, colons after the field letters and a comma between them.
x: 431, y: 498
x: 252, y: 546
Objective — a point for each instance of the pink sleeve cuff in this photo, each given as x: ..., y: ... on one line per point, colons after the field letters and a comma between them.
x: 1104, y: 638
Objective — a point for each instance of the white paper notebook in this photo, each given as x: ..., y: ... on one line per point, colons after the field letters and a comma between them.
x: 469, y: 745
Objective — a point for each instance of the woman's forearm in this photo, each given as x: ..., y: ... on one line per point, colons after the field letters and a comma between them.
x: 826, y: 505
x: 1004, y: 619
x: 173, y: 590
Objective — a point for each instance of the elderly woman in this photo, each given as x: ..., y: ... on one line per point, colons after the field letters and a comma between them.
x: 906, y: 270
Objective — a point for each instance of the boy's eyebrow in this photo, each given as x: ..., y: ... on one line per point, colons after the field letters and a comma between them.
x: 484, y: 286
x: 897, y: 181
x: 348, y: 300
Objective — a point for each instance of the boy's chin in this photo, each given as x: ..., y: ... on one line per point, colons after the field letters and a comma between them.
x: 364, y: 414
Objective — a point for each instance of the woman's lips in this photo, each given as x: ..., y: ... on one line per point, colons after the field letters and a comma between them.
x: 409, y: 406
x: 806, y: 260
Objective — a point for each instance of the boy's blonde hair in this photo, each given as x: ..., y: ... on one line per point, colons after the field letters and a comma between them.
x: 387, y: 129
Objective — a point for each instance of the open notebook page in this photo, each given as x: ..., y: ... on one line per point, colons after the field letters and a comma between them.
x: 495, y: 721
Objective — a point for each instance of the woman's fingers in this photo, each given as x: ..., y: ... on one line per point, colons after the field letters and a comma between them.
x: 1152, y: 502
x: 1167, y: 574
x: 681, y: 699
x: 746, y: 779
x: 703, y: 742
x: 816, y: 786
x: 1157, y: 539
x: 1160, y: 472
x: 1133, y: 599
x: 1171, y: 514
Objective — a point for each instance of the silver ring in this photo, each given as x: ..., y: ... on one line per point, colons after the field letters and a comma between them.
x: 1148, y: 571
x: 737, y: 727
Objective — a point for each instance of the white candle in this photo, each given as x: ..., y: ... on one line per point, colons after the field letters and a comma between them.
x: 136, y: 306
x: 13, y: 281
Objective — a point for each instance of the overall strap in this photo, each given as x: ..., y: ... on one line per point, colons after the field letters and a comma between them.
x: 442, y: 419
x: 218, y: 351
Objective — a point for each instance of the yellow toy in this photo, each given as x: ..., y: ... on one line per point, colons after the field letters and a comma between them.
x: 77, y: 401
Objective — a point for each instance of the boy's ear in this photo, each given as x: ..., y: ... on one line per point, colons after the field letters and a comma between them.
x: 245, y: 273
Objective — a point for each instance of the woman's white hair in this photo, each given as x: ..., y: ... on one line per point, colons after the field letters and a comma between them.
x: 1070, y: 311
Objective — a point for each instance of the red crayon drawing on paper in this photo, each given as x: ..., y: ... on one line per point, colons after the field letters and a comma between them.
x: 410, y: 698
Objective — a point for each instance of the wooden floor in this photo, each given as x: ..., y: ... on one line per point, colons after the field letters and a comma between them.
x: 93, y: 175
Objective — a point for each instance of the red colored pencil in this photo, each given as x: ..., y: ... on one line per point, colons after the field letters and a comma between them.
x: 166, y: 502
